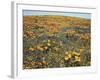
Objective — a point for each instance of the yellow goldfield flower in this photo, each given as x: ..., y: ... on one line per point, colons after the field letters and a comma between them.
x: 77, y: 58
x: 48, y: 44
x: 31, y: 49
x: 75, y: 53
x: 69, y: 55
x: 66, y: 58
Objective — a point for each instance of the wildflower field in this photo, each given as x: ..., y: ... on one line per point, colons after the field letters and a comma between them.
x: 56, y: 41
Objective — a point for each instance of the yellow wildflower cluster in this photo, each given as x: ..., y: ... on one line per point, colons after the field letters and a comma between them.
x: 77, y: 58
x: 49, y: 43
x: 67, y: 55
x: 85, y: 37
x: 70, y: 54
